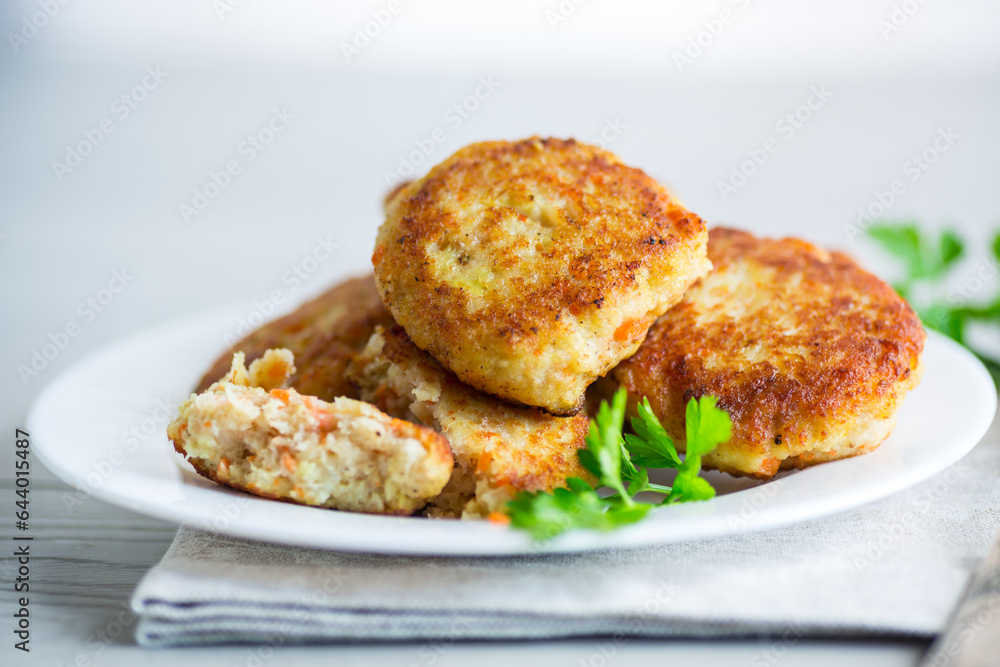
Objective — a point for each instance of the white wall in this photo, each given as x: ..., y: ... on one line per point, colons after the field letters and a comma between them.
x: 869, y: 39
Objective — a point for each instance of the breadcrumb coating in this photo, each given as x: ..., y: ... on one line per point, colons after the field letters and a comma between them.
x: 531, y: 268
x: 810, y: 355
x: 499, y: 449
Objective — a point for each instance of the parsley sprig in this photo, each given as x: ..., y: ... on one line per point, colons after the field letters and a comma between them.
x: 621, y: 464
x: 927, y: 261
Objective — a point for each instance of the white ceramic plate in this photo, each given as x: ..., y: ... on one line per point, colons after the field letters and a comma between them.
x: 101, y: 426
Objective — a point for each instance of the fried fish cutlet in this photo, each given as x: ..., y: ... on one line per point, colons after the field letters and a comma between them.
x: 503, y: 448
x: 531, y: 268
x: 810, y: 355
x: 247, y: 432
x: 499, y: 449
x: 323, y: 334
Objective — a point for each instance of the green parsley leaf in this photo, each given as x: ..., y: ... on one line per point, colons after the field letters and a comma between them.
x: 620, y: 514
x: 650, y: 446
x: 589, y: 462
x: 922, y: 257
x: 927, y: 260
x: 950, y: 248
x: 949, y: 321
x: 605, y: 443
x: 640, y: 482
x: 903, y: 242
x: 621, y: 464
x: 688, y: 488
x: 546, y: 515
x: 707, y: 426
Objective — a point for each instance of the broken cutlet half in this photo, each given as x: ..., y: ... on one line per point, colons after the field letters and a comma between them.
x: 248, y: 432
x: 499, y: 448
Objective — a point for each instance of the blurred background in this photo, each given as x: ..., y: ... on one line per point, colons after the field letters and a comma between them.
x: 168, y: 156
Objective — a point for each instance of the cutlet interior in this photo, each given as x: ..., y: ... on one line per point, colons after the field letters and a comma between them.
x: 414, y: 395
x: 281, y: 444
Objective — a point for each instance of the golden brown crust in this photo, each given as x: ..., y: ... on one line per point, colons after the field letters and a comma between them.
x: 323, y: 334
x: 531, y: 268
x: 809, y: 354
x: 391, y: 195
x: 499, y: 448
x: 528, y: 449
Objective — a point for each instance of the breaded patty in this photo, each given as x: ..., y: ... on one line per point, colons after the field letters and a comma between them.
x: 810, y: 355
x: 248, y: 433
x: 499, y: 449
x: 530, y: 268
x: 322, y: 334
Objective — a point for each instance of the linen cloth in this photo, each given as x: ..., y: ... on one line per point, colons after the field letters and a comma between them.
x: 894, y: 568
